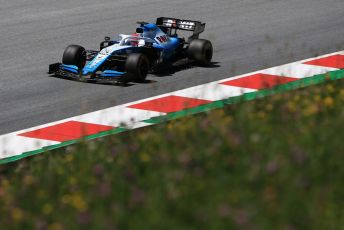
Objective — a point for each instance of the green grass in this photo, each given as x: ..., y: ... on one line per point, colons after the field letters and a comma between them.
x: 272, y: 163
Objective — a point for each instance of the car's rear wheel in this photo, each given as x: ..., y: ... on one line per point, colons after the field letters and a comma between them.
x: 137, y: 66
x: 201, y: 51
x: 74, y: 55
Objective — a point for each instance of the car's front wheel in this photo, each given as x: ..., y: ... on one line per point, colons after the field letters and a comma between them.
x: 74, y: 55
x: 137, y: 66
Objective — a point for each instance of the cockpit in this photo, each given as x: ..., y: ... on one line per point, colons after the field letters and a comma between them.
x: 135, y: 40
x: 131, y: 41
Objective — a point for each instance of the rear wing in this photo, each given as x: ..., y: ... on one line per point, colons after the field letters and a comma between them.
x: 180, y: 24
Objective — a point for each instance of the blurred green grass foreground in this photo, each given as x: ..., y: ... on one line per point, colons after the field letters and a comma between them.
x: 272, y: 163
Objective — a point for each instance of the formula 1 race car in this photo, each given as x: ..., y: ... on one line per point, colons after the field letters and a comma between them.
x: 132, y: 56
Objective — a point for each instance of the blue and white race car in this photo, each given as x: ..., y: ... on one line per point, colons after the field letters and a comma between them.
x: 132, y: 56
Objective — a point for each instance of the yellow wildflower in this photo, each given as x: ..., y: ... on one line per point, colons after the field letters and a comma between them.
x: 310, y: 110
x: 330, y: 88
x: 220, y: 113
x: 297, y: 98
x: 28, y: 180
x: 17, y: 214
x: 227, y: 120
x: 55, y: 226
x: 328, y: 102
x: 75, y: 201
x: 60, y: 171
x: 47, y: 209
x: 269, y: 107
x: 261, y: 114
x: 145, y: 157
x: 69, y: 158
x: 317, y: 98
x: 342, y: 93
x: 72, y: 181
x: 170, y: 126
x: 65, y: 199
x: 5, y: 184
x: 41, y: 193
x: 79, y: 203
x: 291, y: 106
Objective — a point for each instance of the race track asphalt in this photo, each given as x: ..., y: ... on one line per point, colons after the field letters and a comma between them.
x: 247, y: 35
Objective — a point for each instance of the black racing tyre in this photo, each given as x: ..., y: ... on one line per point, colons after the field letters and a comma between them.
x: 201, y: 51
x: 137, y: 66
x: 74, y: 55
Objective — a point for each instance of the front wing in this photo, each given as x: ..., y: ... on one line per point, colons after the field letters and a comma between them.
x: 73, y: 72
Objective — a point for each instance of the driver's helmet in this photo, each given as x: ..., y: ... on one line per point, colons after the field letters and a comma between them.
x: 134, y: 41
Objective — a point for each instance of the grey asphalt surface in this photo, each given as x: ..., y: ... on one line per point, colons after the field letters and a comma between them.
x: 247, y: 35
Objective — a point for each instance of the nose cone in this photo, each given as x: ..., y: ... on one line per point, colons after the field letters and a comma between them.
x: 93, y: 65
x: 85, y: 72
